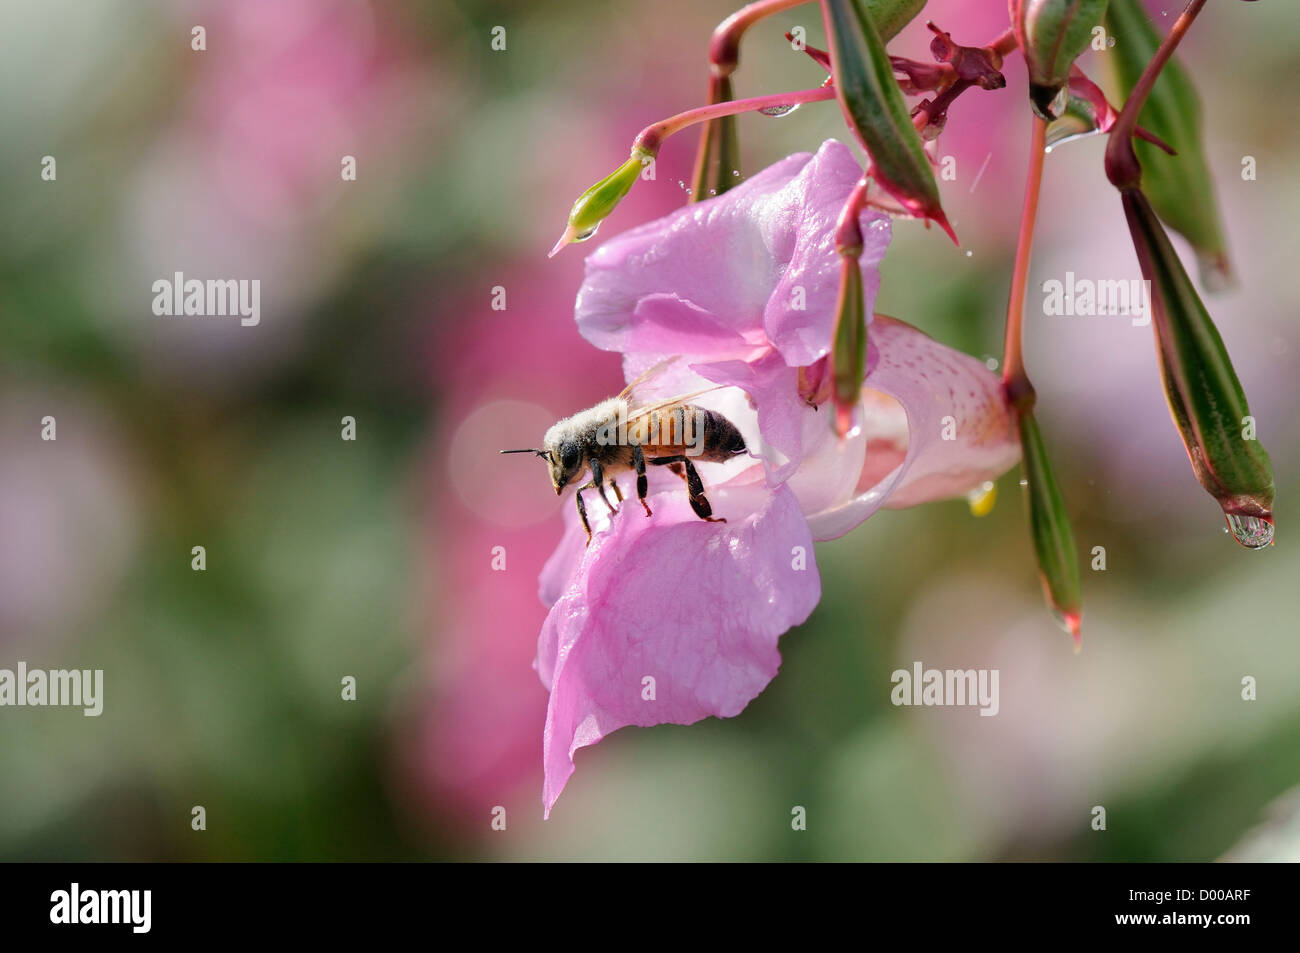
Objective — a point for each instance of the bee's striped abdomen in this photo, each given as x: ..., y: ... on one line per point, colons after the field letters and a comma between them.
x: 722, y: 440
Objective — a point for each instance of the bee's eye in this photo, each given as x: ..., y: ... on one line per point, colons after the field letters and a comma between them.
x: 569, y: 455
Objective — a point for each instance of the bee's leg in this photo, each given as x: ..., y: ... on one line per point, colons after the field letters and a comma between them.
x: 613, y: 485
x: 598, y: 482
x: 642, y: 485
x: 672, y: 463
x: 695, y: 489
x: 582, y: 511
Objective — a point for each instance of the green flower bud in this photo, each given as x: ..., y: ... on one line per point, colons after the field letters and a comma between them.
x: 1052, y: 33
x: 595, y: 204
x: 1205, y: 397
x: 1058, y: 561
x: 849, y: 350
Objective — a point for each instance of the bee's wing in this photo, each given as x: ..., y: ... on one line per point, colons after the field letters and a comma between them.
x: 636, y: 392
x: 641, y: 400
x: 635, y: 413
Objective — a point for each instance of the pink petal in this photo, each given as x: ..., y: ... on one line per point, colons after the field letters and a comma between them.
x: 697, y: 606
x: 666, y: 323
x: 773, y: 386
x: 931, y: 382
x: 563, y: 563
x: 756, y: 264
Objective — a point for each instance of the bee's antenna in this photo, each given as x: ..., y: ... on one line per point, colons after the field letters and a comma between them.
x: 540, y: 453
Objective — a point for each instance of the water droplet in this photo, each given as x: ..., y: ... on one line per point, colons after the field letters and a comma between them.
x: 991, y: 363
x: 1024, y: 483
x: 736, y: 172
x: 1253, y: 532
x: 1071, y: 622
x: 776, y: 112
x: 969, y: 253
x: 713, y: 191
x: 846, y: 422
x: 583, y: 236
x: 1060, y: 102
x: 982, y: 498
x: 1048, y: 109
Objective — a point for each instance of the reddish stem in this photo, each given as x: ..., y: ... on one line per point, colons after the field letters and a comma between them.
x: 1122, y: 166
x: 724, y: 49
x: 652, y: 137
x: 1014, y: 379
x: 848, y: 229
x: 1005, y: 43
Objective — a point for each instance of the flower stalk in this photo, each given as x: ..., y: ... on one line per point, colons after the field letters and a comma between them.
x: 1049, y: 523
x: 1122, y: 166
x: 1182, y: 192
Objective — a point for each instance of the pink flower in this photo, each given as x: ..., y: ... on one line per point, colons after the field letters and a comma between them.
x: 672, y: 619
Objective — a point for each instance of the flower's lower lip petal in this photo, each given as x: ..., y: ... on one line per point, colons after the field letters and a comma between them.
x: 960, y: 429
x: 561, y: 565
x: 697, y: 607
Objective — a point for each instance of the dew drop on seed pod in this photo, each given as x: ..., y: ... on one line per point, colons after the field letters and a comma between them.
x: 713, y: 191
x: 776, y: 112
x: 583, y: 236
x: 736, y: 172
x: 1252, y: 532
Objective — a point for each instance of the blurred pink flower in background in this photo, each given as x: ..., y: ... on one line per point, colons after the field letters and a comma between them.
x: 478, y: 735
x: 246, y: 181
x: 69, y: 512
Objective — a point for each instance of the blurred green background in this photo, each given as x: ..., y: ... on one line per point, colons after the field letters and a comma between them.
x: 370, y: 558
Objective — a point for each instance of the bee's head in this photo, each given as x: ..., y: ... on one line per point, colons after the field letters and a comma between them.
x: 564, y: 458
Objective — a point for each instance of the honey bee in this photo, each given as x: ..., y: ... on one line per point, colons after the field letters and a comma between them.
x: 622, y: 434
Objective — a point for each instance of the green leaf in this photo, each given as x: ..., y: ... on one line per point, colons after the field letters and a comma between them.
x: 1052, y: 34
x: 1180, y: 187
x: 1205, y: 397
x: 874, y: 107
x: 1058, y: 560
x: 890, y: 16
